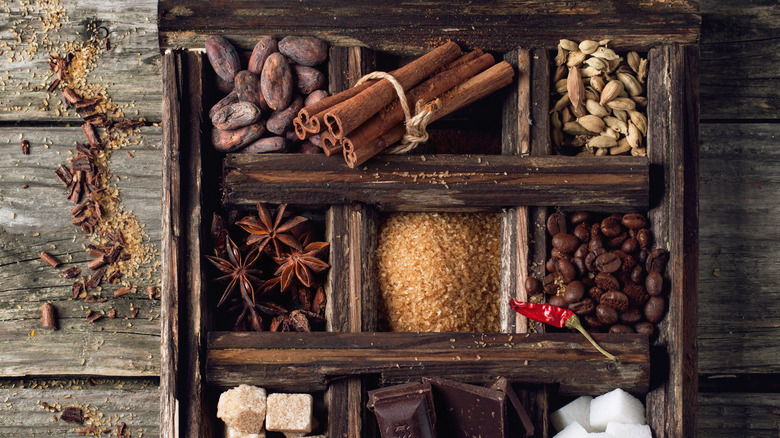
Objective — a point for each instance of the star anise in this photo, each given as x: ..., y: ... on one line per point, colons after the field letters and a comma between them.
x: 302, y: 264
x: 238, y: 269
x: 266, y: 229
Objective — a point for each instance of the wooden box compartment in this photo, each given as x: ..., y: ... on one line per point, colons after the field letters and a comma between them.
x: 198, y: 363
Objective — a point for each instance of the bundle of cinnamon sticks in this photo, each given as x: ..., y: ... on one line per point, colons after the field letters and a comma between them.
x: 363, y: 121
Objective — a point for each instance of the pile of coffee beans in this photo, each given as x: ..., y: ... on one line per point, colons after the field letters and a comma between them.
x: 257, y: 114
x: 604, y: 270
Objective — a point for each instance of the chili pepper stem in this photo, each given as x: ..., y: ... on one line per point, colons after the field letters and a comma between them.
x: 574, y: 323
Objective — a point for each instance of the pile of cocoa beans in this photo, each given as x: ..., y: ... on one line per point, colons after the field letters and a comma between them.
x: 256, y: 116
x: 604, y: 270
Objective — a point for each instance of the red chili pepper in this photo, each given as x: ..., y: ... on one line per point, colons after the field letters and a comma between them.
x: 557, y: 316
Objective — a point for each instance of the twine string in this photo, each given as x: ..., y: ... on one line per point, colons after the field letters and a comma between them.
x: 416, y: 126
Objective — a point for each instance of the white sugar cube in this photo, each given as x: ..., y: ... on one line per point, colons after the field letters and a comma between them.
x: 235, y: 433
x: 578, y: 410
x: 616, y: 406
x: 289, y: 413
x: 573, y: 430
x: 620, y: 430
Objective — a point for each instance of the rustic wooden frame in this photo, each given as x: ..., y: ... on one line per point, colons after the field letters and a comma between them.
x: 673, y: 176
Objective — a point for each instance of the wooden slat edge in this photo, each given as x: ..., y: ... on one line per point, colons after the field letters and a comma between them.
x: 171, y: 246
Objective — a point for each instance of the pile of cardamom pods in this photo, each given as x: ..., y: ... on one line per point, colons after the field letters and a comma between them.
x: 599, y: 100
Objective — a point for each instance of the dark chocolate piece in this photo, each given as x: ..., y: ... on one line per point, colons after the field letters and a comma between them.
x: 503, y: 385
x: 404, y: 411
x: 468, y: 411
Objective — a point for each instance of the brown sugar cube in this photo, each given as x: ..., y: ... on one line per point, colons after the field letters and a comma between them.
x: 234, y: 433
x: 243, y: 408
x: 289, y: 413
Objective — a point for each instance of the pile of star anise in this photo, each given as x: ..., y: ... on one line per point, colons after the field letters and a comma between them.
x: 274, y: 275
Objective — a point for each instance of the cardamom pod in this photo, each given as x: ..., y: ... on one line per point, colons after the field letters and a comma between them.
x: 560, y: 58
x: 575, y: 59
x: 597, y: 63
x: 589, y: 72
x: 641, y: 74
x: 609, y: 132
x: 591, y: 123
x: 602, y: 141
x: 639, y: 120
x: 616, y: 124
x: 588, y: 46
x: 596, y: 108
x: 611, y: 91
x: 561, y: 103
x: 634, y: 137
x: 591, y: 94
x: 641, y: 101
x: 576, y: 88
x: 630, y: 83
x: 566, y: 115
x: 603, y: 52
x: 560, y: 73
x: 560, y: 86
x: 621, y: 115
x: 600, y: 152
x: 569, y: 45
x: 633, y: 61
x: 613, y: 64
x: 639, y: 152
x: 574, y: 128
x: 597, y: 82
x: 621, y: 148
x: 621, y: 103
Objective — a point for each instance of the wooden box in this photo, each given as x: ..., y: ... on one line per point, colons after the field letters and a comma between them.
x: 198, y: 363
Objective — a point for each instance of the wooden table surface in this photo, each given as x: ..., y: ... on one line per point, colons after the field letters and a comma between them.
x: 112, y: 366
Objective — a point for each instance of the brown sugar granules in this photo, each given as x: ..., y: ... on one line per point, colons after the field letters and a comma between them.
x: 440, y: 272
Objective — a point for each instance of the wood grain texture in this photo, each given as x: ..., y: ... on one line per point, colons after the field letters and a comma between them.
x: 130, y: 71
x: 724, y: 415
x: 36, y: 218
x: 738, y: 273
x: 308, y: 361
x: 740, y: 60
x: 403, y: 27
x: 106, y: 403
x: 463, y: 183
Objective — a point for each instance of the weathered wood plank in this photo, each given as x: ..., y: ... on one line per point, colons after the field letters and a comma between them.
x: 105, y: 402
x: 739, y: 273
x: 464, y: 183
x: 35, y: 219
x: 130, y: 71
x: 740, y: 60
x: 411, y: 27
x: 724, y: 415
x: 308, y: 361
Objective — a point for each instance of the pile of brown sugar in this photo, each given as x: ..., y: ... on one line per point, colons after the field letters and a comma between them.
x: 439, y: 272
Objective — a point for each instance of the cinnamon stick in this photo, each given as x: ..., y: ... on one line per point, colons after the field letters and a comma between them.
x: 348, y: 115
x: 481, y: 85
x: 424, y: 92
x: 309, y: 120
x: 330, y: 144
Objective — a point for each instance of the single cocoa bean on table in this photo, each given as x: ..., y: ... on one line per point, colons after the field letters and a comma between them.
x: 266, y: 145
x: 235, y: 116
x: 304, y: 50
x: 308, y: 79
x: 223, y: 57
x: 248, y: 89
x: 315, y: 97
x: 225, y: 101
x: 276, y: 81
x: 229, y: 141
x: 260, y: 53
x: 280, y: 121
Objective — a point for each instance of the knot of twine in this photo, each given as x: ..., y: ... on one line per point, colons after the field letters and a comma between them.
x: 416, y: 126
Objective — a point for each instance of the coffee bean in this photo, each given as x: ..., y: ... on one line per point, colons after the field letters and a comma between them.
x: 583, y: 307
x: 637, y: 274
x: 596, y: 243
x: 556, y: 223
x: 610, y: 227
x: 656, y: 260
x: 614, y: 299
x: 643, y: 256
x: 654, y: 283
x: 589, y: 262
x: 605, y: 281
x: 631, y: 315
x: 579, y: 264
x: 643, y: 238
x: 532, y: 285
x: 566, y: 270
x: 582, y: 232
x: 634, y: 221
x: 592, y: 321
x: 636, y: 294
x: 595, y: 293
x: 606, y: 314
x: 548, y: 284
x: 579, y: 217
x: 629, y: 245
x: 654, y: 309
x: 646, y: 328
x: 608, y: 262
x: 595, y: 230
x: 621, y: 328
x: 617, y: 241
x: 565, y: 242
x: 550, y: 265
x: 559, y: 301
x: 582, y: 251
x: 575, y: 291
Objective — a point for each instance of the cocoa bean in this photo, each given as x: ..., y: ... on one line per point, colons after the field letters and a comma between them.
x: 308, y: 147
x: 292, y: 138
x: 260, y: 53
x: 248, y: 89
x: 224, y: 86
x: 308, y: 51
x: 227, y: 100
x: 236, y: 116
x: 229, y: 141
x: 223, y: 57
x: 266, y: 145
x: 281, y: 121
x: 276, y: 82
x: 315, y: 97
x: 316, y: 140
x: 308, y: 79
